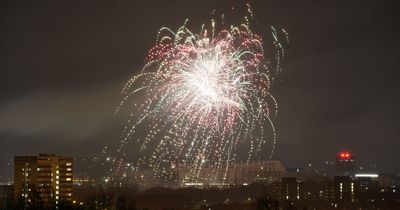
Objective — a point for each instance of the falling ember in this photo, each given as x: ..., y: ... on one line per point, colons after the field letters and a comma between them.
x: 199, y: 97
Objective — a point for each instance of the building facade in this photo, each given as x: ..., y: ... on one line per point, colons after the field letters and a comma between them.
x: 45, y: 180
x: 241, y: 173
x: 288, y: 189
x: 341, y: 191
x: 344, y: 189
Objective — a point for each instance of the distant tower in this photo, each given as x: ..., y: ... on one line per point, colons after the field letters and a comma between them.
x: 345, y: 164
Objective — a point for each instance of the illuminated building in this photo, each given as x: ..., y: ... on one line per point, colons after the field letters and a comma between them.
x: 345, y: 164
x: 235, y: 174
x: 44, y: 180
x: 289, y: 189
x: 344, y: 189
x: 367, y: 183
x: 341, y: 190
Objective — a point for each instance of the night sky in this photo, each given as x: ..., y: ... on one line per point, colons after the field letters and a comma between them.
x: 63, y: 64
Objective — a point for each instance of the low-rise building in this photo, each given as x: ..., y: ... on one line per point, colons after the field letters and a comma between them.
x: 241, y: 173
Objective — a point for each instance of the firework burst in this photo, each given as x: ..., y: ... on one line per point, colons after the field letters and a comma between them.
x: 199, y: 97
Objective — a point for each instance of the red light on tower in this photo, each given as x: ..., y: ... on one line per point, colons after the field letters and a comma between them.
x: 345, y: 163
x: 345, y: 155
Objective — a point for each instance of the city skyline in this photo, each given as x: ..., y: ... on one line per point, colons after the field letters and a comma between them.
x: 65, y: 64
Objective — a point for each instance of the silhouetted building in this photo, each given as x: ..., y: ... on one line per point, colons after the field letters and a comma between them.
x: 389, y: 180
x: 367, y: 183
x: 345, y: 164
x: 289, y: 189
x: 44, y: 180
x: 6, y: 197
x: 328, y: 192
x: 341, y: 190
x: 344, y: 189
x: 367, y: 188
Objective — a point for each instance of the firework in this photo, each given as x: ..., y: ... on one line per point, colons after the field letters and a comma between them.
x: 199, y: 98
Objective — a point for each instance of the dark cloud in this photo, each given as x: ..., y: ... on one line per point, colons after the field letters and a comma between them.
x: 77, y: 114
